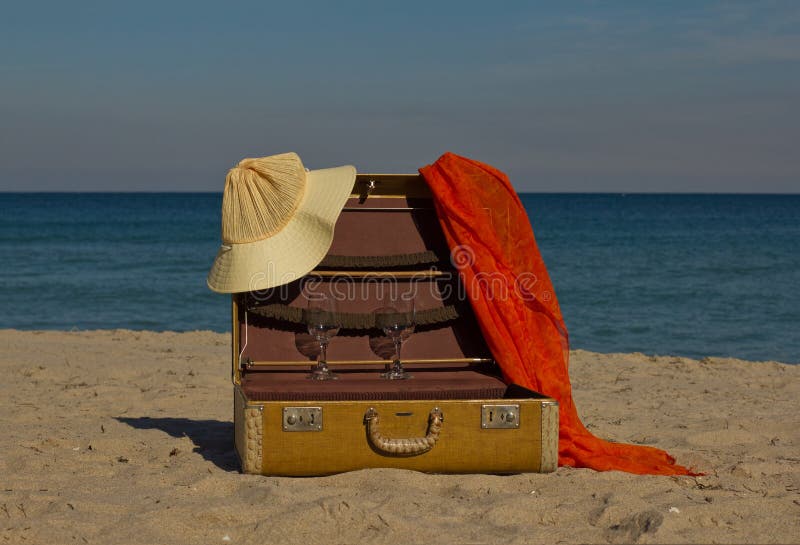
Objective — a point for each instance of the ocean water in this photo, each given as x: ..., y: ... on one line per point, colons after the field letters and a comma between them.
x: 694, y: 275
x: 691, y: 275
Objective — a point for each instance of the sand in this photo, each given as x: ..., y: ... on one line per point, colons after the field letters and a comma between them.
x: 121, y: 437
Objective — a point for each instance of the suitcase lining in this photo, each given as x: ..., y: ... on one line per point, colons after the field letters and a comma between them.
x: 361, y: 385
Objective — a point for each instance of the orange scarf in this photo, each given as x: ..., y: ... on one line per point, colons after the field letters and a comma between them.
x: 493, y: 247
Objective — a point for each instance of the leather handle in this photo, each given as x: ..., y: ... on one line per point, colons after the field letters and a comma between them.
x: 411, y: 446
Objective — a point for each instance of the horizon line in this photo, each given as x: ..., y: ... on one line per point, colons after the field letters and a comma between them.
x: 207, y: 192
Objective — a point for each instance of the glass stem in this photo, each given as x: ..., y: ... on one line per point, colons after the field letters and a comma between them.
x: 397, y: 344
x: 323, y: 355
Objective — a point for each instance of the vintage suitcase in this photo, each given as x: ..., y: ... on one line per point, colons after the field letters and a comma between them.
x: 454, y: 416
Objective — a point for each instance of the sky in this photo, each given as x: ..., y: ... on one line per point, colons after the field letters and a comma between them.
x: 589, y: 96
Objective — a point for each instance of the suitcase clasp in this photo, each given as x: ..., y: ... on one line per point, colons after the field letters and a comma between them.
x: 302, y: 419
x: 499, y: 417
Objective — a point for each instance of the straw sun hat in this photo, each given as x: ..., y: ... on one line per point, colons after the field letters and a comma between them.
x: 277, y: 221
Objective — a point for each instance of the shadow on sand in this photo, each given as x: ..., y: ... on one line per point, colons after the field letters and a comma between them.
x: 213, y: 439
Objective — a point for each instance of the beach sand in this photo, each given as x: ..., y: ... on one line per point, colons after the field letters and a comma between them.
x: 120, y: 437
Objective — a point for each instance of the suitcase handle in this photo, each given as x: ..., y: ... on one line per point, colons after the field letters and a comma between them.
x: 411, y: 446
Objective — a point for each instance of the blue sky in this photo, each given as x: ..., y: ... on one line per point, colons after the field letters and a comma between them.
x: 571, y: 96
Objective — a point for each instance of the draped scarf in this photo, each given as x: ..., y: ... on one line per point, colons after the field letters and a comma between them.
x: 493, y: 247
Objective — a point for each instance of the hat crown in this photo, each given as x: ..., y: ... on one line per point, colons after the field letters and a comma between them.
x: 261, y: 196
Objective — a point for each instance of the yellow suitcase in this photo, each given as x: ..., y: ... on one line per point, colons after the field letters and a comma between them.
x: 454, y: 416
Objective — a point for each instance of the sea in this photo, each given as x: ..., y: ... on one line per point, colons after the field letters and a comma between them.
x: 690, y: 275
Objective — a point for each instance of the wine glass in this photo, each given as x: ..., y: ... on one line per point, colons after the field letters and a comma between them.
x: 323, y: 324
x: 397, y: 322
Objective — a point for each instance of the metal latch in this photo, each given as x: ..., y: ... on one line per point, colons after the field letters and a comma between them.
x: 302, y: 419
x: 366, y: 191
x: 499, y: 417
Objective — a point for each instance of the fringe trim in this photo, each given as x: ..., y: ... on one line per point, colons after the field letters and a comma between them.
x: 352, y: 320
x: 380, y: 261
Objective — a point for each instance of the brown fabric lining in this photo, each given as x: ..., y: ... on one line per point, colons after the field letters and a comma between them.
x: 354, y: 320
x: 368, y: 386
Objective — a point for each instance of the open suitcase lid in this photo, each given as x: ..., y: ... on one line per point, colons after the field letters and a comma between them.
x: 386, y: 238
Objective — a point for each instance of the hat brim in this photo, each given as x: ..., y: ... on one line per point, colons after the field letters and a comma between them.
x: 294, y: 250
